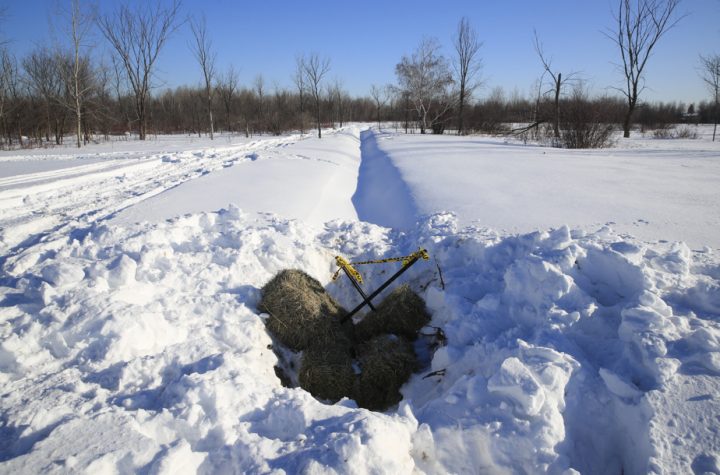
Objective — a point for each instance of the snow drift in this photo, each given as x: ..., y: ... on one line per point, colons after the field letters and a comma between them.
x: 140, y: 348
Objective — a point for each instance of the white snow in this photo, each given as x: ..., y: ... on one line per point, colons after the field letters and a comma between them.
x: 130, y: 339
x: 666, y: 190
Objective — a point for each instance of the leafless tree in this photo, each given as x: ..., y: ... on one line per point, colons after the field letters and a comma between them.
x: 467, y: 65
x: 639, y: 25
x: 558, y: 82
x: 336, y: 98
x: 315, y: 70
x: 8, y: 76
x: 227, y: 88
x: 137, y: 36
x: 710, y: 74
x: 202, y: 49
x: 259, y: 85
x: 299, y: 80
x: 45, y: 80
x: 81, y: 19
x: 119, y: 83
x: 380, y: 97
x: 426, y: 78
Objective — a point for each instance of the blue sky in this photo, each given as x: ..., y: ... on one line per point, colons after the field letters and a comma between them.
x: 364, y: 40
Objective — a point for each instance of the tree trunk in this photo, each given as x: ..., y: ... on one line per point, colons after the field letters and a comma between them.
x: 626, y: 123
x: 632, y: 102
x: 209, y: 106
x: 227, y: 118
x: 58, y: 132
x: 558, y: 83
x: 78, y: 112
x: 79, y: 123
x: 317, y: 107
x: 461, y: 108
x: 302, y: 112
x: 49, y: 125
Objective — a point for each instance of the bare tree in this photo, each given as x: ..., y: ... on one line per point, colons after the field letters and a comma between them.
x: 81, y: 21
x: 120, y: 86
x: 426, y: 78
x: 710, y: 74
x: 44, y: 78
x: 259, y: 85
x: 315, y: 70
x: 8, y: 76
x: 299, y: 80
x: 137, y: 36
x: 336, y: 98
x: 639, y: 24
x: 558, y: 81
x: 202, y: 49
x: 380, y: 97
x: 227, y: 87
x: 467, y: 65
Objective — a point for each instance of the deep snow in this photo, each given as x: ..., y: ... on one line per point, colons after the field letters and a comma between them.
x: 137, y: 346
x: 658, y: 190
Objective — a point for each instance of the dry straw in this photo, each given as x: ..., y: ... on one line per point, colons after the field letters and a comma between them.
x: 386, y: 364
x: 300, y: 311
x: 327, y: 373
x: 303, y: 317
x: 402, y: 313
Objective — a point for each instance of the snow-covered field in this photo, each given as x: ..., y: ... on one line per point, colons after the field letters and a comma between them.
x: 583, y: 334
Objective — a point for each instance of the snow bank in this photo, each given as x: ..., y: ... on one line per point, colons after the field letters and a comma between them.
x: 312, y: 180
x: 139, y: 348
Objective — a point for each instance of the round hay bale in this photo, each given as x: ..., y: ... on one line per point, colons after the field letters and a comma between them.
x: 402, y: 313
x: 300, y: 309
x: 327, y: 372
x: 386, y: 362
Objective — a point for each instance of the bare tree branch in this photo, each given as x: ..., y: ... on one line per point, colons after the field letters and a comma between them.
x: 710, y: 74
x: 639, y: 25
x: 202, y: 50
x: 558, y: 81
x: 137, y: 36
x: 315, y: 70
x: 467, y: 65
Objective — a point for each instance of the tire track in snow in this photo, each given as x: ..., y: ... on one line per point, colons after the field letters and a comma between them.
x: 382, y: 197
x: 54, y: 211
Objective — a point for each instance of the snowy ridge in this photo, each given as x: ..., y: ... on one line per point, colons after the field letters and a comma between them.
x: 139, y: 348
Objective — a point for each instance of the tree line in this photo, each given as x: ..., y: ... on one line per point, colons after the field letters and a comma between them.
x: 61, y: 89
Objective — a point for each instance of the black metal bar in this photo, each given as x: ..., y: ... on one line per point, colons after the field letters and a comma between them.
x: 380, y: 289
x: 358, y: 288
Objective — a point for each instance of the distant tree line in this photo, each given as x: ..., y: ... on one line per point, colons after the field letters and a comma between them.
x: 61, y: 89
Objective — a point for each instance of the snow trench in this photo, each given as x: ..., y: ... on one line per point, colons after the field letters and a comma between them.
x: 382, y: 197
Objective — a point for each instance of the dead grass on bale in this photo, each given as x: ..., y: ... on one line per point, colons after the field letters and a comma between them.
x: 326, y: 372
x: 386, y: 364
x: 300, y: 310
x: 402, y: 313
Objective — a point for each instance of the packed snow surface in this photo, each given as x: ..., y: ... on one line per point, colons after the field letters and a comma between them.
x: 130, y: 339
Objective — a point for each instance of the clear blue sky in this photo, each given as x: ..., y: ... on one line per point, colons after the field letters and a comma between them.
x: 364, y: 40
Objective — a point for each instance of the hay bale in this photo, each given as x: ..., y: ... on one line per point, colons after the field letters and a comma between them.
x: 300, y: 310
x: 326, y: 372
x: 402, y: 313
x: 386, y: 362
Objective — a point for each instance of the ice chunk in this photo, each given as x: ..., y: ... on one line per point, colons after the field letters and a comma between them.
x: 515, y: 381
x: 62, y: 273
x: 122, y: 271
x: 617, y: 386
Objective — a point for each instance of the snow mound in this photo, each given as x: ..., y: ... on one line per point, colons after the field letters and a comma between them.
x: 141, y: 348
